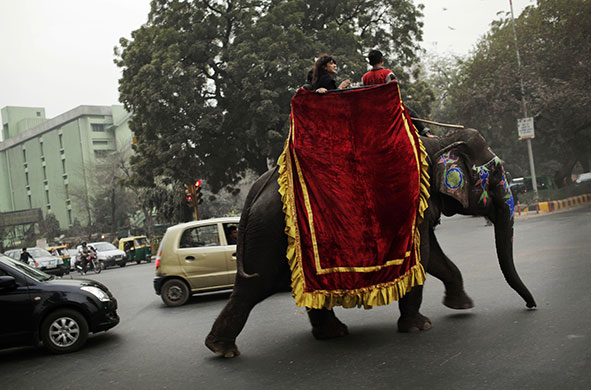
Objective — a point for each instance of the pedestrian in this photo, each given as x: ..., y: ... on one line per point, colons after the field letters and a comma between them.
x: 26, y: 257
x: 380, y: 75
x: 323, y: 76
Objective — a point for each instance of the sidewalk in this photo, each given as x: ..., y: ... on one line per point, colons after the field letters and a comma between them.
x: 551, y: 206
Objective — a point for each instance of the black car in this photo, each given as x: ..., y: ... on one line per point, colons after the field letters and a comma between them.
x: 37, y: 307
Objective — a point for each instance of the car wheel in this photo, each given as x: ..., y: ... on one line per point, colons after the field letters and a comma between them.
x: 175, y: 292
x: 149, y: 260
x: 103, y: 266
x: 64, y: 331
x: 122, y: 264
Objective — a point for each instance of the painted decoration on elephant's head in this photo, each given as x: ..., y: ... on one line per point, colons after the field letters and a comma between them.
x: 508, y: 195
x: 482, y: 182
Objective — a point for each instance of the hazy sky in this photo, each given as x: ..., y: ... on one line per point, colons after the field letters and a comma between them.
x: 58, y: 54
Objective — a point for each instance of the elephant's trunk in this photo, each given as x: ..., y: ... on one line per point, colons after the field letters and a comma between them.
x: 504, y: 242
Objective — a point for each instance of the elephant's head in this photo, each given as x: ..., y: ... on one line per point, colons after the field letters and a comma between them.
x: 468, y: 178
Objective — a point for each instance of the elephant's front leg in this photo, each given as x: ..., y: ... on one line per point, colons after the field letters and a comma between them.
x: 445, y: 270
x: 326, y: 325
x: 411, y: 320
x: 226, y: 328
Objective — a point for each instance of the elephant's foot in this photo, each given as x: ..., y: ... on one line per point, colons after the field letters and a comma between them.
x: 222, y: 347
x: 329, y: 329
x: 459, y: 301
x: 413, y: 324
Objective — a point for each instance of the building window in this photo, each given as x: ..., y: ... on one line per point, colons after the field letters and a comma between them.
x: 70, y: 217
x: 61, y: 141
x: 38, y: 113
x: 44, y: 173
x: 47, y: 197
x: 27, y: 177
x: 64, y: 166
x: 102, y: 153
x: 41, y: 147
x: 24, y: 155
x: 97, y: 127
x: 100, y: 142
x: 30, y: 202
x: 67, y: 194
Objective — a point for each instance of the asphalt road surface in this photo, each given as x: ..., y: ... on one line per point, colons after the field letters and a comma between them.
x: 499, y: 344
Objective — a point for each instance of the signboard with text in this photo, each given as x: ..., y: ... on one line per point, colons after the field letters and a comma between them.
x: 525, y: 128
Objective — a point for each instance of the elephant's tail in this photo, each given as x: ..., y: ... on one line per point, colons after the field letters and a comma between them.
x: 252, y: 196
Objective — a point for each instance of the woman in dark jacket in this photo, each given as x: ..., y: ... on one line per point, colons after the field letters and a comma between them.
x: 324, y: 70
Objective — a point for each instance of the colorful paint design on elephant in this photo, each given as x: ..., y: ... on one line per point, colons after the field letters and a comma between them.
x: 453, y: 177
x: 482, y: 184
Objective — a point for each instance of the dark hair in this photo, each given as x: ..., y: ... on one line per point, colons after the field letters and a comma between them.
x: 321, y: 62
x: 231, y: 229
x: 24, y: 249
x: 375, y: 57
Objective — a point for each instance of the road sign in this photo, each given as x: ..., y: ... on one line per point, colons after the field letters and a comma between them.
x: 525, y: 128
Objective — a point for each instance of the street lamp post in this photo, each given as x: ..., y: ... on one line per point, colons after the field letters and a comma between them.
x: 524, y: 107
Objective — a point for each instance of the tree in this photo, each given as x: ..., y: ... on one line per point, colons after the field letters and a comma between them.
x: 210, y: 82
x: 50, y: 228
x: 555, y: 50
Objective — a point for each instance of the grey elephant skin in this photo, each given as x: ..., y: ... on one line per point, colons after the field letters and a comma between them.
x: 466, y: 177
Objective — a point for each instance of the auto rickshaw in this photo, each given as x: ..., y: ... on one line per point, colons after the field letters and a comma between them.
x: 61, y: 251
x: 136, y: 248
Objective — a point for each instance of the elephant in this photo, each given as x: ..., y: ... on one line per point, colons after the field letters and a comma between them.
x: 466, y: 177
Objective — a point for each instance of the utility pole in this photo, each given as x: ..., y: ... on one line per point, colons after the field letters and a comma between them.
x: 524, y: 109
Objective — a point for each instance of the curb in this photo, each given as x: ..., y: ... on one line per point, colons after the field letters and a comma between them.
x: 555, y: 205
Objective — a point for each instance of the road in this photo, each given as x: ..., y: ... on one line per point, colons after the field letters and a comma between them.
x: 499, y: 344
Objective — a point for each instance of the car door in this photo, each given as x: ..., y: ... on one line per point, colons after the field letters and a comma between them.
x: 203, y: 258
x: 16, y: 306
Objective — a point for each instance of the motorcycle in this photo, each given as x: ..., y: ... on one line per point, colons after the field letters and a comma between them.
x: 92, y: 263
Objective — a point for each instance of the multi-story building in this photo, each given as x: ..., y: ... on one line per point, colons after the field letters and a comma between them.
x: 50, y: 163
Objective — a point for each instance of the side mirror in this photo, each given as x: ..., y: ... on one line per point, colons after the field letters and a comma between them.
x: 7, y: 283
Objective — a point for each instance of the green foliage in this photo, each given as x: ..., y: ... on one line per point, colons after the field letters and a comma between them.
x: 555, y: 50
x: 210, y: 82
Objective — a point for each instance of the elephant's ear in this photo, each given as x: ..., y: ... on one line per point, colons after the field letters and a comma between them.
x: 450, y: 176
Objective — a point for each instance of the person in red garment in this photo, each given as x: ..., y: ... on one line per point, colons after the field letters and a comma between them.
x: 380, y: 75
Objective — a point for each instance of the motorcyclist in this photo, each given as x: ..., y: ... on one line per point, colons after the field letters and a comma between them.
x: 83, y: 254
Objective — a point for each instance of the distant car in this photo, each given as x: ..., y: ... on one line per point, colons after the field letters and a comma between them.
x: 518, y: 188
x: 108, y: 255
x: 60, y: 313
x: 583, y: 177
x: 195, y: 257
x: 43, y: 260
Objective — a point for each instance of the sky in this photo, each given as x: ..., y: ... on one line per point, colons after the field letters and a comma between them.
x: 58, y: 54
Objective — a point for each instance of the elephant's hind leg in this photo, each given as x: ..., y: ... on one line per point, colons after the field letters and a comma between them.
x: 445, y: 270
x: 326, y: 325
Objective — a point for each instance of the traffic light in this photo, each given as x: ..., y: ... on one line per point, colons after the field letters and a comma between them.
x: 198, y: 194
x: 189, y: 195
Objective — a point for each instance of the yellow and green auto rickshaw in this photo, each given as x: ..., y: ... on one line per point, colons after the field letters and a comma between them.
x: 136, y: 248
x: 62, y: 252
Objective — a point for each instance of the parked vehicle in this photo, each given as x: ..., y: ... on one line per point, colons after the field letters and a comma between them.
x: 108, y: 254
x: 583, y: 177
x: 60, y: 313
x: 137, y: 248
x: 62, y: 252
x: 42, y: 260
x: 195, y: 257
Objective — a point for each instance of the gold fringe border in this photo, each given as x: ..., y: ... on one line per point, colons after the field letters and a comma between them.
x: 377, y: 295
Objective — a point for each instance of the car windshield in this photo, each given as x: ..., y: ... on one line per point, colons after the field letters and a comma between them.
x: 103, y: 246
x: 38, y: 252
x: 26, y: 269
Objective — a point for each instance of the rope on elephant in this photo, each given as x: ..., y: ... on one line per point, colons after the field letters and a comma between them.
x: 438, y: 124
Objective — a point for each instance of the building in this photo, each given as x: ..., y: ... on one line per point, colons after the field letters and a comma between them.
x: 49, y: 163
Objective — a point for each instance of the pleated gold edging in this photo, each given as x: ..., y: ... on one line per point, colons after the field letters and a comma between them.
x: 377, y: 295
